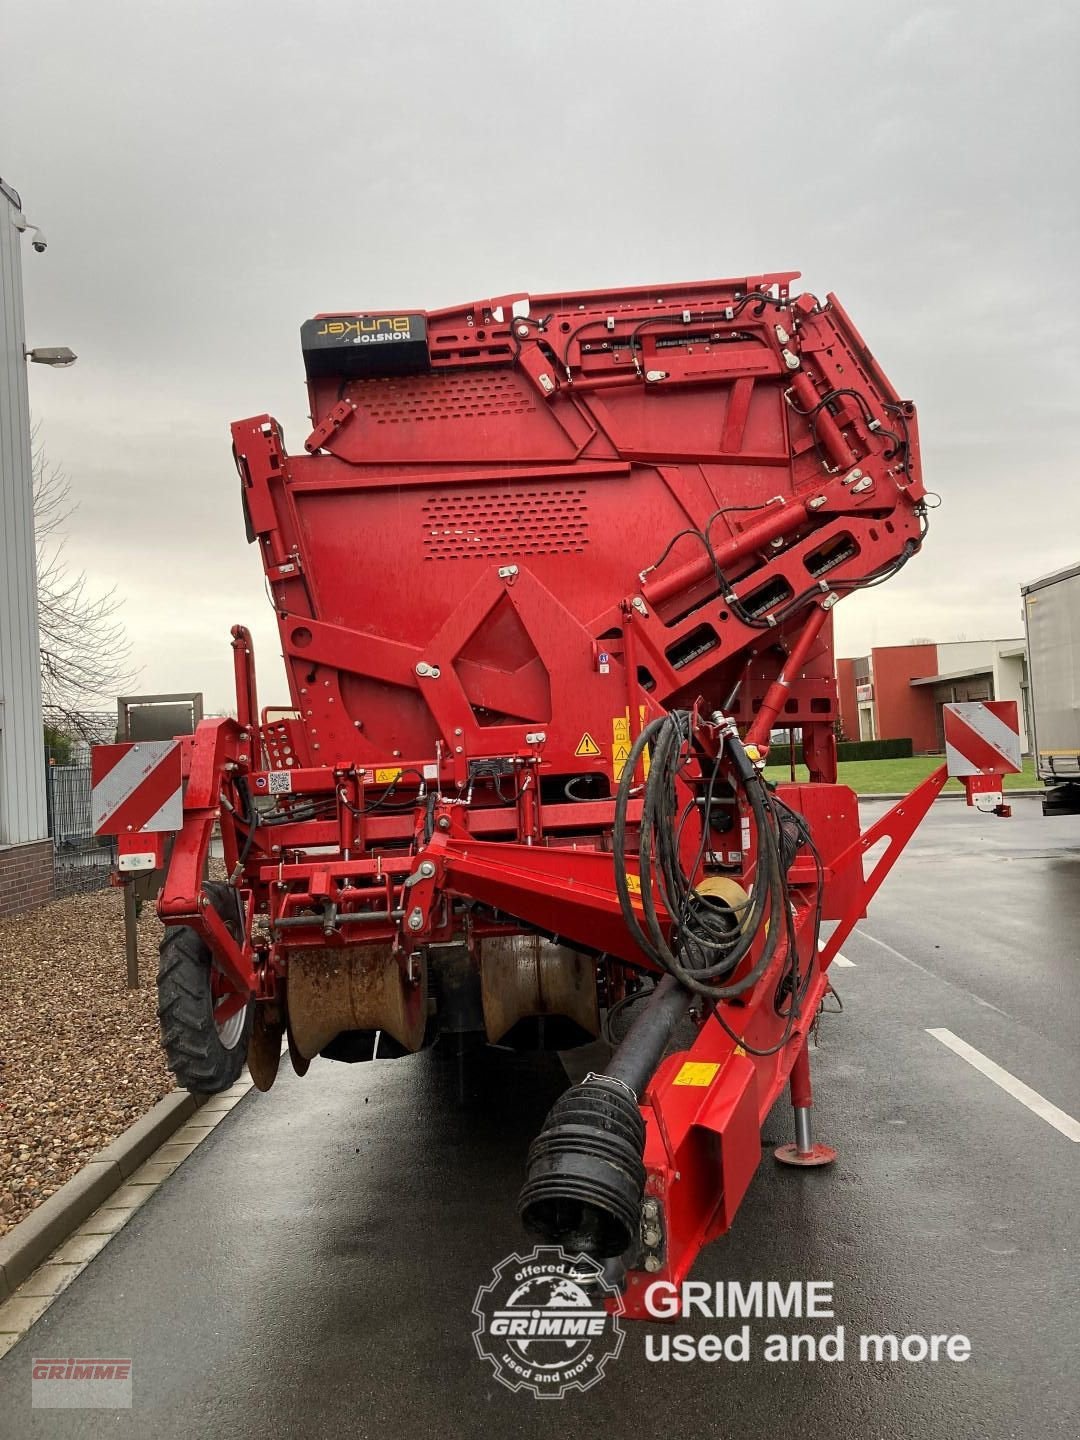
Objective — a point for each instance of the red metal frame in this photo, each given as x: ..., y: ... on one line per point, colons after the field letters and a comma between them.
x: 487, y: 577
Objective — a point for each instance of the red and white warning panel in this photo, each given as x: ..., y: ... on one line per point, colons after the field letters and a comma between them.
x: 982, y: 737
x: 136, y: 787
x: 982, y: 743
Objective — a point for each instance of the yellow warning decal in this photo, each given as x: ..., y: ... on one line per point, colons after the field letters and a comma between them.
x: 587, y: 747
x: 696, y: 1072
x: 633, y: 883
x: 738, y: 1050
x: 621, y: 742
x: 387, y: 777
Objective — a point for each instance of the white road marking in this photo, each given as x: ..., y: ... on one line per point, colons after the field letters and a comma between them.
x: 1035, y: 1102
x: 839, y: 959
x: 934, y: 976
x: 892, y: 951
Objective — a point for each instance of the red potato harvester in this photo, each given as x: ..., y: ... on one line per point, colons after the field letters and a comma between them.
x: 548, y: 575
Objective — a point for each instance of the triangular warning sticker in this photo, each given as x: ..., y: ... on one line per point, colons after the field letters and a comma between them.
x: 587, y: 746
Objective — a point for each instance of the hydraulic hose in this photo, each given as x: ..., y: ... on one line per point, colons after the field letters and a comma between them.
x: 704, y: 944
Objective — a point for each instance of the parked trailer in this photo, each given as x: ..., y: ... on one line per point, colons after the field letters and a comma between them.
x: 548, y: 574
x: 1052, y: 624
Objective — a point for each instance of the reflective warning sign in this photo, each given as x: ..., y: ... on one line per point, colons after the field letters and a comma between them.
x: 982, y: 737
x: 136, y: 787
x: 587, y: 747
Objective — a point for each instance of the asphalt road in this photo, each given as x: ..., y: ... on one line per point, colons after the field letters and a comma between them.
x: 310, y: 1269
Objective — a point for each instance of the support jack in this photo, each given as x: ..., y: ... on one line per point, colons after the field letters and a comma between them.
x: 804, y: 1154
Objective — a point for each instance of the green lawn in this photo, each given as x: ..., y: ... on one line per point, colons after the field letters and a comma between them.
x: 873, y: 777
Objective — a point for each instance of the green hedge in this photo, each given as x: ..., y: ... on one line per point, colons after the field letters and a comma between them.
x: 850, y: 750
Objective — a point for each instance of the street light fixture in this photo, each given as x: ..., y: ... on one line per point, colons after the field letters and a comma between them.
x: 58, y: 356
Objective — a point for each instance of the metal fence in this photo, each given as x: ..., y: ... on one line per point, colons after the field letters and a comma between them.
x: 81, y: 860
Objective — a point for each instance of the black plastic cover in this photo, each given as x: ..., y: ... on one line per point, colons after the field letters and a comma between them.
x: 364, y: 345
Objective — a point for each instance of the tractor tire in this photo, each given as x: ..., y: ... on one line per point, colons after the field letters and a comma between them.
x: 205, y: 1058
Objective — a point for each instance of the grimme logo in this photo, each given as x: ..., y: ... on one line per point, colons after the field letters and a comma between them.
x: 544, y: 1322
x: 90, y: 1383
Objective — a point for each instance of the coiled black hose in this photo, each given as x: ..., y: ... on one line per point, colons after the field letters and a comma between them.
x: 706, y: 942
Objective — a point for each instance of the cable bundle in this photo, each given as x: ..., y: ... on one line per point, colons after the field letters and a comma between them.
x: 706, y: 942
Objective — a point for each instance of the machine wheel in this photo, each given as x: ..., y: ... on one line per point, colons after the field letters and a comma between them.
x: 205, y: 1055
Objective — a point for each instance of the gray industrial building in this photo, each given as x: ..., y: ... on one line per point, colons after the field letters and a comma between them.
x: 25, y: 849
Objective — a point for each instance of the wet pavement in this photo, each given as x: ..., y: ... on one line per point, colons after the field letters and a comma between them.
x: 311, y: 1268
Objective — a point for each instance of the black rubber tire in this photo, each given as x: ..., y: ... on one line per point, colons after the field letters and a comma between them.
x: 194, y: 1050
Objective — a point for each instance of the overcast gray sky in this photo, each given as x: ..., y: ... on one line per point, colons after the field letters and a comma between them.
x: 210, y: 174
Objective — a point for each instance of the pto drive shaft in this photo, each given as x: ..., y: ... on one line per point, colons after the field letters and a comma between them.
x: 586, y: 1174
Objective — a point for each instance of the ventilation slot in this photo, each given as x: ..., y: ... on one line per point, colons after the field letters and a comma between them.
x: 698, y: 641
x: 840, y: 548
x: 766, y: 597
x: 506, y: 525
x: 423, y: 399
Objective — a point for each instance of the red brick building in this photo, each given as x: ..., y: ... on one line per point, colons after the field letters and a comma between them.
x: 897, y: 691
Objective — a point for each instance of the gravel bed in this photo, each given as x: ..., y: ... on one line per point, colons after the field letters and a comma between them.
x: 80, y: 1057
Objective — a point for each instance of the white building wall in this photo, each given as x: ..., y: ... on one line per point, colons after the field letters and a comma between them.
x: 1008, y: 671
x: 956, y: 655
x: 22, y: 769
x: 1010, y: 678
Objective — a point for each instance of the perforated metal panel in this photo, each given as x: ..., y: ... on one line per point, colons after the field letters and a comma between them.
x: 443, y: 398
x: 281, y: 739
x: 506, y: 524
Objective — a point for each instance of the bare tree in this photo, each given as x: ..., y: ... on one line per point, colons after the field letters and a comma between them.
x: 84, y: 650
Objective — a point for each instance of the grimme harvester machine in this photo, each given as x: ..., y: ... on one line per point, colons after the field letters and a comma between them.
x: 548, y: 575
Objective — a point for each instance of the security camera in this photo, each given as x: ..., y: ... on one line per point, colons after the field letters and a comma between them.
x: 39, y: 242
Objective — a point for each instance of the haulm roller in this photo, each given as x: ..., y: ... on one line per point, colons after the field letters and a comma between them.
x: 549, y: 574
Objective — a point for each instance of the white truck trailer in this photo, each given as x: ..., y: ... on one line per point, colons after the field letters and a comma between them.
x: 1052, y: 623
